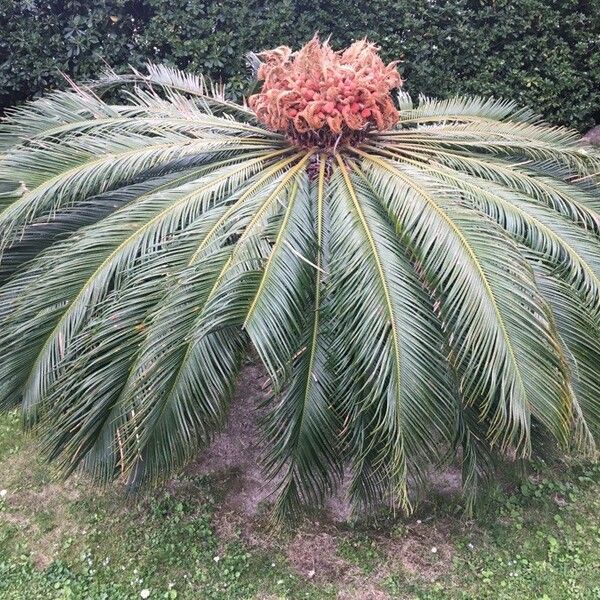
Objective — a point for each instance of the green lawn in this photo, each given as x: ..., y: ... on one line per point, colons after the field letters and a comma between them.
x: 72, y: 541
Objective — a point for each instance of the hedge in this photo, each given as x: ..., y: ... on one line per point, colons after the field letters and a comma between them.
x: 542, y: 53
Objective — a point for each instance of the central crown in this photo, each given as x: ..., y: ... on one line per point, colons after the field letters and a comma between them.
x: 319, y: 97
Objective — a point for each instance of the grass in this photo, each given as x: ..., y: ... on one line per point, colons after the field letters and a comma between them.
x: 68, y: 540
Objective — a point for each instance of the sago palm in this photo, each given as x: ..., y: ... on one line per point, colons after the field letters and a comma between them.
x: 420, y: 282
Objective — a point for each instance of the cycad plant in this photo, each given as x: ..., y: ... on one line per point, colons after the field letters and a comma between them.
x: 420, y: 282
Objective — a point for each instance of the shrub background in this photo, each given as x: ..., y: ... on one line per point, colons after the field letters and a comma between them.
x: 542, y: 53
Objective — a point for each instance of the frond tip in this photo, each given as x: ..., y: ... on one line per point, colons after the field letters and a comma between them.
x: 419, y: 280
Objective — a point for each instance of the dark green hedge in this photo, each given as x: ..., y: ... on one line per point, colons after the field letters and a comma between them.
x: 543, y: 53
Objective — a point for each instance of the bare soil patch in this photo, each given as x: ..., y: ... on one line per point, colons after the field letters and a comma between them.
x: 233, y: 459
x: 312, y: 549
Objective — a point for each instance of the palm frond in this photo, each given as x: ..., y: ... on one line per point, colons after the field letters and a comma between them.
x: 461, y: 109
x: 285, y: 324
x: 498, y: 325
x: 211, y: 96
x: 402, y: 405
x: 175, y: 346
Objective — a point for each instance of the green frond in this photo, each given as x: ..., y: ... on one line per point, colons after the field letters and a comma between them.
x: 177, y: 343
x: 579, y: 330
x: 174, y: 81
x: 285, y: 325
x: 83, y: 269
x: 574, y: 252
x: 384, y: 323
x: 495, y: 325
x: 460, y: 109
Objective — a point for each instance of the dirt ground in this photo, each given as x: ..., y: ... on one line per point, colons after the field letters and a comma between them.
x: 233, y: 461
